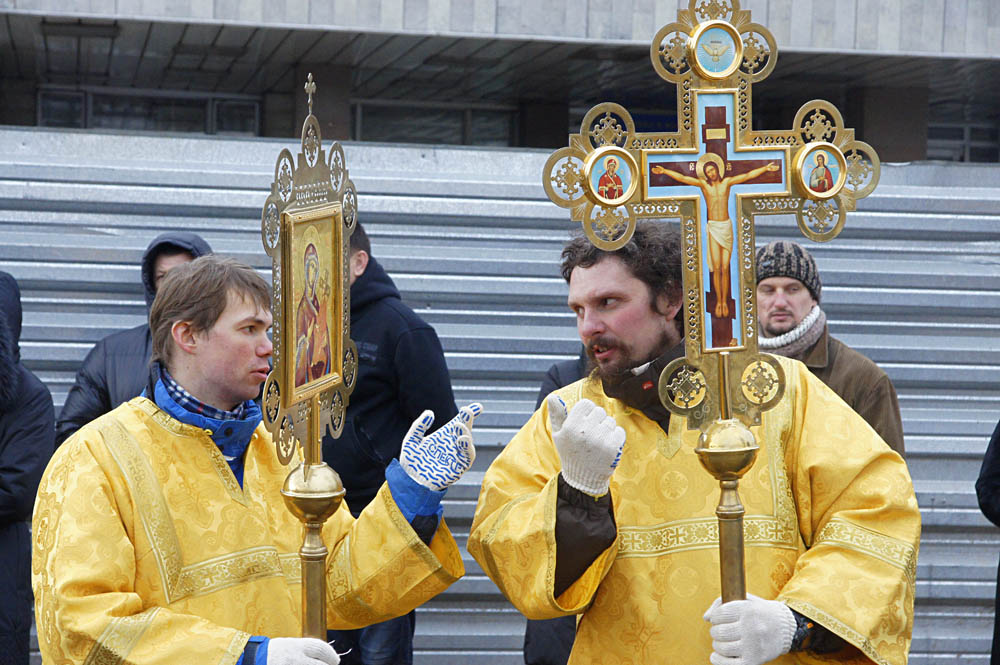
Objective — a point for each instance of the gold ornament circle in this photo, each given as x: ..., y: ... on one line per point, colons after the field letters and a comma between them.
x: 338, y: 169
x: 610, y: 132
x: 284, y: 171
x: 808, y: 122
x: 600, y: 240
x: 772, y: 51
x: 862, y: 150
x: 568, y: 176
x: 311, y: 141
x: 682, y: 387
x: 624, y: 159
x: 692, y: 55
x: 763, y: 381
x: 677, y: 56
x: 828, y: 230
x: 284, y: 443
x: 800, y: 162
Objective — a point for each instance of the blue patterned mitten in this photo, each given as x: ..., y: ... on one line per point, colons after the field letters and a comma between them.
x: 438, y: 460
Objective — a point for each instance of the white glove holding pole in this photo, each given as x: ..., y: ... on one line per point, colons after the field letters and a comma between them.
x: 300, y: 651
x: 749, y: 632
x: 589, y: 443
x: 438, y: 460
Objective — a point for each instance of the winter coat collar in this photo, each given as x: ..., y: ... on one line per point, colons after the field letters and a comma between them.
x: 373, y: 284
x: 10, y: 334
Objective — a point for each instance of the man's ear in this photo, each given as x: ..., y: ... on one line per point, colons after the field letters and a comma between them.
x: 667, y: 308
x: 184, y: 336
x: 358, y: 264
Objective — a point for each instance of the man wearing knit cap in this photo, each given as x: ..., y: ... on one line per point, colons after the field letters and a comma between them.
x: 793, y: 325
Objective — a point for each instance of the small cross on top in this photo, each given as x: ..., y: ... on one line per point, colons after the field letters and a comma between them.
x: 310, y: 90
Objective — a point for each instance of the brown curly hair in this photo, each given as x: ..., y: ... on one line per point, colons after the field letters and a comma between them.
x: 653, y: 256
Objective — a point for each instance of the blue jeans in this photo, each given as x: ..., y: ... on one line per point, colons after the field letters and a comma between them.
x: 386, y: 643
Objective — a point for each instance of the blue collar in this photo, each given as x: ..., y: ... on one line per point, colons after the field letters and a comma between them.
x: 231, y: 436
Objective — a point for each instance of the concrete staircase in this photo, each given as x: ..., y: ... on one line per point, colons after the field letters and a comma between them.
x: 470, y: 239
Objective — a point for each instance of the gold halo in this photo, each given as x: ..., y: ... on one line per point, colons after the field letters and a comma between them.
x: 710, y: 157
x: 800, y: 161
x: 624, y: 160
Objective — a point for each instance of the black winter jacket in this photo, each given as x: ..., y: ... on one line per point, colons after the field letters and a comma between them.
x: 988, y: 493
x: 27, y: 422
x: 401, y: 372
x: 115, y: 370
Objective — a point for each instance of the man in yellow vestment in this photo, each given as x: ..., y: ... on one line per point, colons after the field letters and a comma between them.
x: 572, y: 519
x: 160, y: 534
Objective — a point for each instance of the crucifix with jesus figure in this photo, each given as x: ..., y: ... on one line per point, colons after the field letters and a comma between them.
x: 715, y: 174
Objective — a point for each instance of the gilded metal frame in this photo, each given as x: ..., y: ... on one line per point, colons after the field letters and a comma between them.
x: 290, y: 220
x: 720, y: 391
x: 316, y: 185
x: 820, y: 215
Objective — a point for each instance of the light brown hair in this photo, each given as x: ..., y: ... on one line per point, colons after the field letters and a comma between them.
x: 199, y: 292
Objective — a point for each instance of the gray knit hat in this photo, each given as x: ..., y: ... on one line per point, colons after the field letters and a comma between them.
x: 788, y: 259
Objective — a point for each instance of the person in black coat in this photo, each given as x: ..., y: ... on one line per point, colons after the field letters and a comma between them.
x: 988, y: 493
x: 401, y: 372
x: 549, y: 641
x: 116, y: 368
x: 27, y: 422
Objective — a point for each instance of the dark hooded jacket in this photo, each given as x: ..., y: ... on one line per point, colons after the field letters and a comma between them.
x: 27, y: 422
x: 115, y: 370
x: 401, y: 372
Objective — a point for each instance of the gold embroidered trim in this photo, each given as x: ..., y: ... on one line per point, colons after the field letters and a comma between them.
x: 235, y: 649
x: 291, y: 567
x: 164, y: 420
x: 836, y: 626
x: 897, y: 553
x: 119, y: 638
x: 151, y: 505
x: 180, y: 581
x: 228, y: 570
x: 701, y: 533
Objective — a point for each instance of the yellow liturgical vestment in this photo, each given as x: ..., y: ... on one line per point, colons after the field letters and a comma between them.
x: 832, y: 528
x: 147, y: 550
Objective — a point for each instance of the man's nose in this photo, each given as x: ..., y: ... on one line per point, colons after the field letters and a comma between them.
x: 589, y: 324
x: 265, y: 348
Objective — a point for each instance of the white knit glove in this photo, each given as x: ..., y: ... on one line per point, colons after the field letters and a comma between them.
x: 749, y: 632
x: 438, y: 460
x: 300, y: 651
x: 589, y: 443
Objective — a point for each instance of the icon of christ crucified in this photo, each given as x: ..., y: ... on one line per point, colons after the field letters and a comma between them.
x: 715, y: 189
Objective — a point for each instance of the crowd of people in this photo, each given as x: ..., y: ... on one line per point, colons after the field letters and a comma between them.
x: 158, y: 529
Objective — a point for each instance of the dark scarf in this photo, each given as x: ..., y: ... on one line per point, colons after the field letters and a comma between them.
x: 640, y: 391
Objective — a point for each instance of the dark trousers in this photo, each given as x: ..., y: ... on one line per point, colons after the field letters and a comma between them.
x: 549, y: 642
x: 386, y: 643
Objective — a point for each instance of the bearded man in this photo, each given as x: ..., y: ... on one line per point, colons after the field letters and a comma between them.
x: 572, y: 520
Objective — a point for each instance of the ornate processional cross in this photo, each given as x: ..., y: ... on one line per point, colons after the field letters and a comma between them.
x: 306, y: 225
x: 715, y: 174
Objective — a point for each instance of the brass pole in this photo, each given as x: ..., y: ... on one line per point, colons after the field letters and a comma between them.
x: 727, y: 449
x: 313, y: 492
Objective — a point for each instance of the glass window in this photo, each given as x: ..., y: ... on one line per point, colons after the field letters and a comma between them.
x: 236, y: 117
x: 490, y: 128
x: 162, y: 114
x: 399, y: 124
x: 61, y: 108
